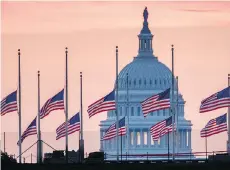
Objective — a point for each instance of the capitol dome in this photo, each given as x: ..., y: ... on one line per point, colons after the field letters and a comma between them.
x: 145, y: 73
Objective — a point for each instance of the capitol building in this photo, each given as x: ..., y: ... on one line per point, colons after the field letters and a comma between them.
x: 146, y: 76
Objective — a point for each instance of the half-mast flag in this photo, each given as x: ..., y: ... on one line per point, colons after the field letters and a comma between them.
x: 106, y: 103
x: 54, y: 103
x: 156, y: 102
x: 216, y: 101
x: 31, y: 130
x: 73, y: 126
x: 9, y: 103
x: 161, y: 128
x: 215, y: 126
x: 111, y: 131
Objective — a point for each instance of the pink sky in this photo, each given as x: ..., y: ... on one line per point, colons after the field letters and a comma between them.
x: 200, y: 32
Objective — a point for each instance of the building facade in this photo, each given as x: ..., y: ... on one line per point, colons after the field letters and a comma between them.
x: 146, y: 76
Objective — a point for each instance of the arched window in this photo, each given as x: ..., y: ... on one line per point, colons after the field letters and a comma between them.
x: 138, y: 111
x: 132, y: 111
x: 120, y: 111
x: 129, y: 82
x: 145, y: 44
x: 158, y: 113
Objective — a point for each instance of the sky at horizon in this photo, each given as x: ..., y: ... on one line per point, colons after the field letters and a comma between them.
x: 200, y: 32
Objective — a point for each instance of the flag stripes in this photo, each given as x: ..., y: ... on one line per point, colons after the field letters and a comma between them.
x: 31, y: 130
x: 215, y: 126
x: 54, y: 103
x: 218, y: 100
x: 9, y: 103
x: 111, y: 131
x: 106, y: 103
x: 156, y: 102
x: 73, y: 125
x: 161, y: 128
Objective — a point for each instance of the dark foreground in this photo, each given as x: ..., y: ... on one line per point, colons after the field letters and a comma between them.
x: 123, y: 166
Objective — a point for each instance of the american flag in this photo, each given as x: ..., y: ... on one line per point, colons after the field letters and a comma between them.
x: 106, y: 103
x: 9, y: 103
x: 156, y: 102
x: 112, y: 130
x: 216, y: 101
x: 31, y: 130
x: 54, y: 103
x: 161, y: 128
x: 215, y: 126
x: 73, y: 126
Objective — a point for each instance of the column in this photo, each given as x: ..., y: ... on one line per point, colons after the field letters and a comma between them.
x: 142, y: 137
x: 148, y: 139
x: 183, y: 138
x: 135, y: 138
x: 101, y: 142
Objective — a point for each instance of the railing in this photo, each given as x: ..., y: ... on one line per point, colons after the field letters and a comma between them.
x: 202, y: 156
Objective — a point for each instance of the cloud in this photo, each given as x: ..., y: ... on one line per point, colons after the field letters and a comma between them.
x: 200, y: 10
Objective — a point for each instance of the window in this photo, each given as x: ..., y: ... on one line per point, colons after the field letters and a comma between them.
x: 155, y: 82
x: 145, y: 82
x: 145, y: 138
x: 120, y: 111
x: 145, y: 44
x: 160, y: 81
x: 140, y: 82
x: 132, y: 111
x: 138, y: 138
x: 158, y: 113
x: 150, y: 82
x: 134, y: 82
x: 129, y: 82
x: 165, y: 82
x: 152, y: 141
x: 164, y: 112
x: 131, y: 138
x: 138, y: 111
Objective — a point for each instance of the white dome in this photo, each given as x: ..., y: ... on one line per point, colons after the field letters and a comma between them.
x: 145, y: 73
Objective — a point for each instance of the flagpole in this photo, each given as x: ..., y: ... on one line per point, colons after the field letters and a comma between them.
x: 172, y: 107
x: 81, y: 149
x: 19, y: 104
x: 168, y: 144
x: 228, y: 143
x: 127, y: 111
x: 121, y: 145
x: 206, y: 145
x: 4, y: 135
x: 39, y: 156
x: 177, y: 115
x: 117, y: 116
x: 66, y: 105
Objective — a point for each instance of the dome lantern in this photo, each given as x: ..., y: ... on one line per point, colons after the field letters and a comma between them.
x: 145, y: 38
